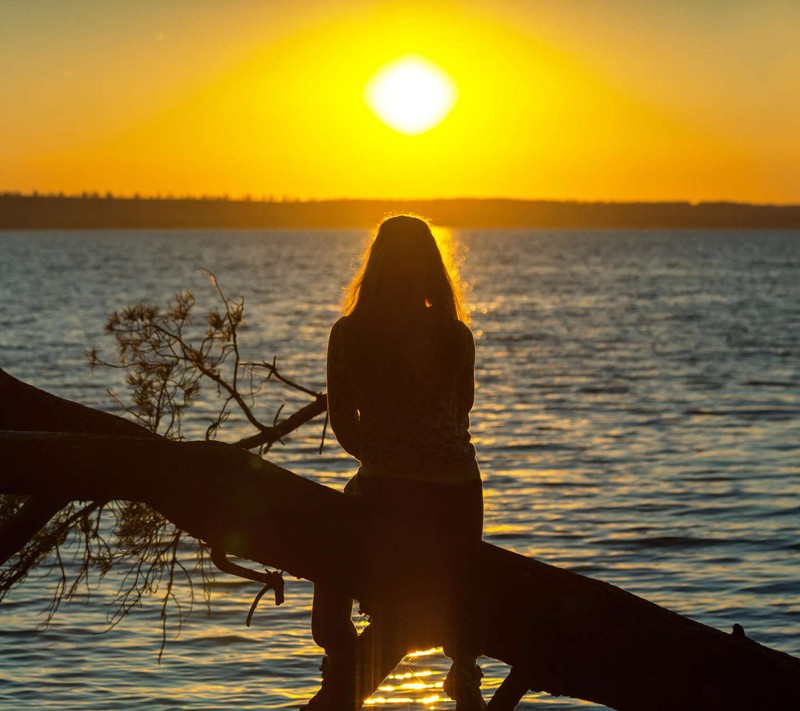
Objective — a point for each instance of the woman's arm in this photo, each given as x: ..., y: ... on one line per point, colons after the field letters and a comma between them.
x: 342, y: 409
x: 465, y: 383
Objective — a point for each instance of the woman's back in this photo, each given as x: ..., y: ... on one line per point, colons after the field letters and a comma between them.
x: 411, y: 382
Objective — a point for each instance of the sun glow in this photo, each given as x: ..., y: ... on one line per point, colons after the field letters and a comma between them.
x: 411, y: 95
x: 554, y: 110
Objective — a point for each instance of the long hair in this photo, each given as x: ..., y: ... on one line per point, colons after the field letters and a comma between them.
x: 402, y: 275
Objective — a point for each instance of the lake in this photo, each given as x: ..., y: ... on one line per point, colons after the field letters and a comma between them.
x: 637, y: 420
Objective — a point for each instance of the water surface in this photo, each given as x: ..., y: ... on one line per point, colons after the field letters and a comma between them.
x: 637, y: 420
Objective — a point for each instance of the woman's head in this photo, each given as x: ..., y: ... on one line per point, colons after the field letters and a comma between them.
x: 402, y: 273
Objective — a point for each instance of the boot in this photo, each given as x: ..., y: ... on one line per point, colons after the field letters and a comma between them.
x: 337, y: 692
x: 463, y: 685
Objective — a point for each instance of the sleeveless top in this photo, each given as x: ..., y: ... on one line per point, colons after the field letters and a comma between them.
x: 399, y: 398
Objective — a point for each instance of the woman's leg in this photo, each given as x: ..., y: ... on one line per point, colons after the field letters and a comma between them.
x: 331, y: 613
x: 333, y: 630
x: 331, y: 621
x: 465, y: 519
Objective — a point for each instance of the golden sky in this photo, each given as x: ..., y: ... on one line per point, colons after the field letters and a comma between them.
x: 563, y: 99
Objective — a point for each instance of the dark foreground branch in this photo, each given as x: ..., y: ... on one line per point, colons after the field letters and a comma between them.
x: 564, y: 633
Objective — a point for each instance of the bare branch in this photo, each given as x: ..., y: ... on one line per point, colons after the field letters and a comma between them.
x: 272, y: 370
x: 277, y: 432
x: 166, y: 362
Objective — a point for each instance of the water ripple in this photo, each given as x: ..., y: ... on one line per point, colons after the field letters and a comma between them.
x: 637, y: 419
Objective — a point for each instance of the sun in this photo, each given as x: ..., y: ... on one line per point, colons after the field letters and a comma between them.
x: 411, y: 94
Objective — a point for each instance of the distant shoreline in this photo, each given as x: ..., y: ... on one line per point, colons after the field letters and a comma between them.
x: 37, y: 212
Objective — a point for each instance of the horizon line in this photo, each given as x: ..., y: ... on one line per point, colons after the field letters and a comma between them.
x: 288, y: 199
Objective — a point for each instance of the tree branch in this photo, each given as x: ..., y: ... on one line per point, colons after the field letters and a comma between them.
x: 19, y: 529
x: 270, y: 435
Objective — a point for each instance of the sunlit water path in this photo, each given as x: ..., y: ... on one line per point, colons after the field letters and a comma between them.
x: 637, y: 420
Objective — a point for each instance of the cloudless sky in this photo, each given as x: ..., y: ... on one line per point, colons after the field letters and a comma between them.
x: 566, y: 99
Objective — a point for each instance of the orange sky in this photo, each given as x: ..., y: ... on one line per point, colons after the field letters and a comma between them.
x: 613, y: 100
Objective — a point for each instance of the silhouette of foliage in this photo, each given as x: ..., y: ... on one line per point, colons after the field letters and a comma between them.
x: 168, y: 359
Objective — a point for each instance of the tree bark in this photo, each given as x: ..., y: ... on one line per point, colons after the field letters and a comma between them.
x: 22, y: 407
x: 564, y: 633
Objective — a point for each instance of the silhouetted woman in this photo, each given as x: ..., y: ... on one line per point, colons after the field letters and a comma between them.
x: 400, y: 388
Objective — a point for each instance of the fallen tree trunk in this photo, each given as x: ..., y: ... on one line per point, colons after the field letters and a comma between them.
x: 562, y: 632
x: 22, y: 407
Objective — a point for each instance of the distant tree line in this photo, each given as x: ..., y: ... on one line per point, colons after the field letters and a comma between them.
x: 92, y: 210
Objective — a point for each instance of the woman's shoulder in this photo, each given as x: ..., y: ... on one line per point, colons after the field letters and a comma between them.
x: 339, y: 323
x: 340, y: 326
x: 337, y: 334
x: 462, y: 328
x: 464, y: 333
